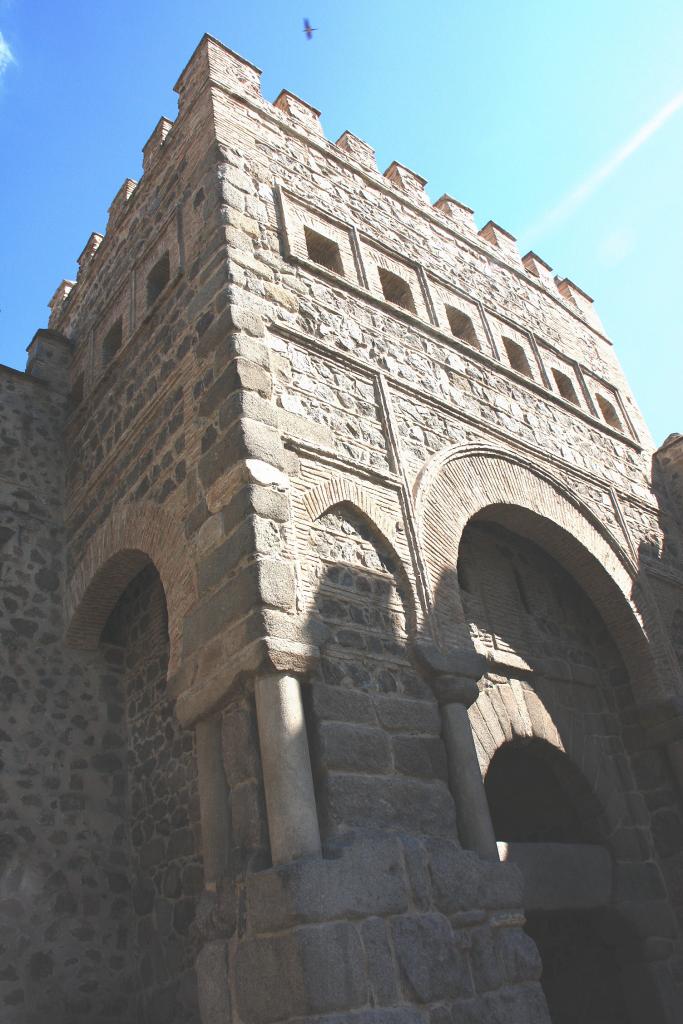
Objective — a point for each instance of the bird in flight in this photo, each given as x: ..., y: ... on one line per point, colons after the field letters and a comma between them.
x: 308, y: 31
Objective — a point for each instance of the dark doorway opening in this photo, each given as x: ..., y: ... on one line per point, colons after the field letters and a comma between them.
x: 581, y: 973
x: 536, y: 795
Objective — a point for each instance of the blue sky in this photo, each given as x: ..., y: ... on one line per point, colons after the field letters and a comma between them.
x: 522, y: 110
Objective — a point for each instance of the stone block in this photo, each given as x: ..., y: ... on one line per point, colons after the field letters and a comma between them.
x: 353, y: 748
x: 409, y: 805
x: 413, y: 716
x: 341, y: 704
x: 382, y: 972
x: 518, y: 955
x: 367, y: 879
x: 455, y: 875
x: 432, y: 965
x: 487, y: 971
x: 246, y: 439
x: 213, y: 984
x: 421, y: 756
x: 560, y: 876
x: 323, y: 966
x: 239, y: 374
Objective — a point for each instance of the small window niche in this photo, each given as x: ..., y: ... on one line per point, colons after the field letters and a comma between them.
x: 609, y: 413
x: 112, y: 342
x: 565, y: 386
x: 517, y: 357
x: 323, y: 251
x: 462, y: 327
x: 396, y: 290
x: 158, y: 278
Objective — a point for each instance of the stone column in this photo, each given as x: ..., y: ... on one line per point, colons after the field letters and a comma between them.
x: 213, y: 800
x: 455, y: 695
x: 286, y: 764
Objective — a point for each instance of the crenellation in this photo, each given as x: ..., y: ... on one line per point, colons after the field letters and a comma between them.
x: 119, y: 205
x: 579, y: 298
x: 358, y: 150
x: 539, y: 268
x: 301, y: 112
x: 407, y: 181
x: 461, y: 215
x: 334, y: 567
x: 59, y: 300
x: 215, y: 64
x: 89, y: 250
x: 151, y: 151
x: 501, y: 239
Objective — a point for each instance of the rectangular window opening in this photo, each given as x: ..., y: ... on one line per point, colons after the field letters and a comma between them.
x: 323, y: 251
x: 517, y: 357
x: 112, y: 341
x: 158, y: 278
x: 565, y: 386
x: 609, y: 413
x: 462, y: 327
x: 396, y: 290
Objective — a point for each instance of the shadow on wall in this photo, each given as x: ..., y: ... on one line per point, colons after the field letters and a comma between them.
x: 378, y: 759
x: 160, y: 875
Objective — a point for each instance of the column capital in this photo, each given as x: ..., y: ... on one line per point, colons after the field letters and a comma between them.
x: 453, y: 674
x: 451, y: 689
x: 451, y: 661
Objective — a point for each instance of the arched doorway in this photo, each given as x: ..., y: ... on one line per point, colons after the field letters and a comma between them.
x: 536, y: 796
x: 558, y: 768
x: 156, y: 786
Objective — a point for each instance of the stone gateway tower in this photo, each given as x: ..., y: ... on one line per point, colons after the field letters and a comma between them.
x: 341, y: 608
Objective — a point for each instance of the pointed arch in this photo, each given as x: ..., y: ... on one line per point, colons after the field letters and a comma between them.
x: 461, y: 483
x: 131, y: 537
x: 340, y: 491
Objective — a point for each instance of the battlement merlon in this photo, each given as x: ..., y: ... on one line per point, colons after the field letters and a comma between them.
x: 581, y: 300
x: 539, y: 268
x: 305, y: 115
x: 497, y: 236
x: 216, y: 64
x: 151, y: 150
x: 461, y: 215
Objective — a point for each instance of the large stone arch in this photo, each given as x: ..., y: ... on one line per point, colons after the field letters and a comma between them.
x: 462, y: 483
x: 513, y: 711
x: 132, y: 536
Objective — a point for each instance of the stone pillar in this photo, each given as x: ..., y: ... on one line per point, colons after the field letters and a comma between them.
x: 455, y: 695
x: 286, y: 764
x: 213, y: 800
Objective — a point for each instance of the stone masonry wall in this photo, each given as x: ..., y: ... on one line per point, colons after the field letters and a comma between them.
x: 63, y: 832
x: 268, y: 353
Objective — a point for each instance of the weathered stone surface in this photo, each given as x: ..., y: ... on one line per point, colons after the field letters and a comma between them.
x: 431, y: 963
x: 367, y: 879
x: 267, y: 434
x: 323, y: 967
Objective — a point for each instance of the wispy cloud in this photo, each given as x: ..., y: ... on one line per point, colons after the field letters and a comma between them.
x: 6, y: 55
x: 577, y: 196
